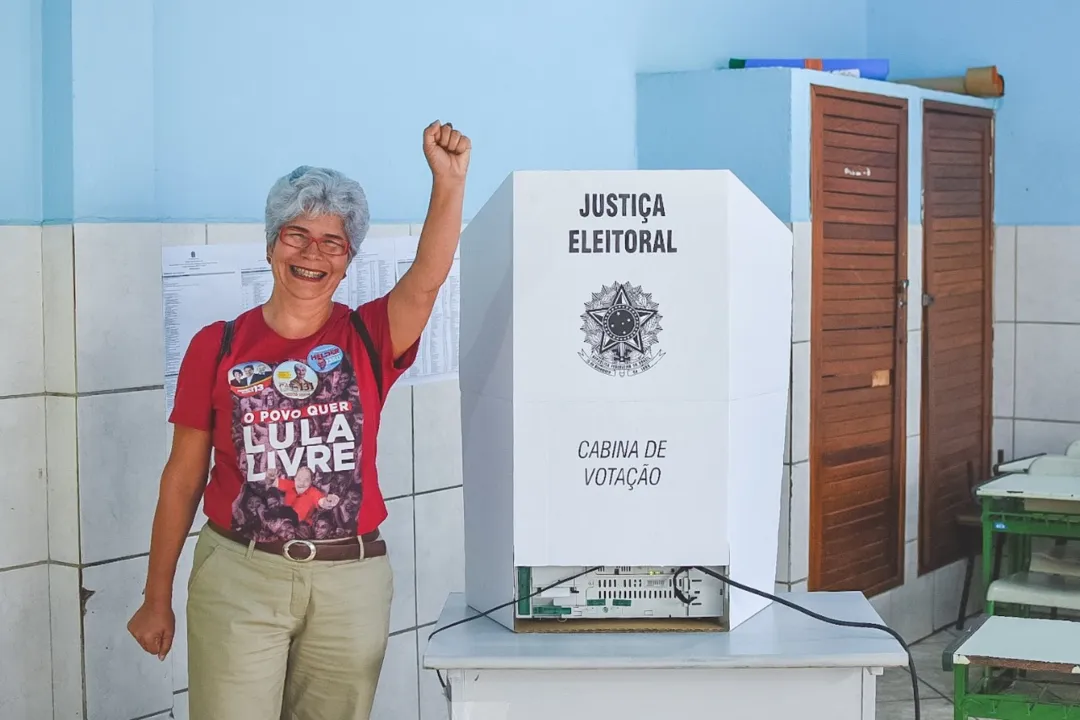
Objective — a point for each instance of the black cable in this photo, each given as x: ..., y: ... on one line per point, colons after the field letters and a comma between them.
x: 685, y: 599
x: 676, y: 590
x: 831, y: 621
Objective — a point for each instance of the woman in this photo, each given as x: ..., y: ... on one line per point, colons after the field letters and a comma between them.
x: 289, y: 594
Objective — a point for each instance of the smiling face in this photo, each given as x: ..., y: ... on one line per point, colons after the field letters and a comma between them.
x: 310, y: 257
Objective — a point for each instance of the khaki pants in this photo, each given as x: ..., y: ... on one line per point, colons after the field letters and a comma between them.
x: 271, y: 638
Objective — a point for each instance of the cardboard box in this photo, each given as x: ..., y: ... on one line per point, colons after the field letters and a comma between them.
x: 624, y: 369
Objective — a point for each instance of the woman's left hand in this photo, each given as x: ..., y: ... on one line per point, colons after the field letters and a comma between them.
x: 447, y: 151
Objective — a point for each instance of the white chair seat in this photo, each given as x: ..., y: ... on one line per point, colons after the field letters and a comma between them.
x: 1057, y: 560
x: 1037, y: 588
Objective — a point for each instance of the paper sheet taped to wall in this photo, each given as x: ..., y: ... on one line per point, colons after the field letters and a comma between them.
x: 202, y: 284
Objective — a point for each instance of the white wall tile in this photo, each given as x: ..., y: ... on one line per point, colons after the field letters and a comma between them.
x: 433, y: 704
x: 948, y: 584
x: 783, y: 545
x: 180, y: 707
x: 800, y: 521
x: 397, y: 697
x: 183, y: 234
x: 1046, y: 262
x: 120, y: 463
x: 914, y: 382
x: 66, y: 642
x: 915, y: 277
x: 912, y: 610
x: 911, y: 485
x: 25, y: 656
x: 1047, y: 374
x: 1004, y: 273
x: 178, y: 655
x: 22, y: 352
x: 58, y: 307
x: 397, y: 530
x: 118, y: 329
x: 235, y: 233
x: 882, y: 604
x: 802, y: 254
x: 122, y: 680
x: 800, y: 402
x: 440, y: 551
x: 437, y: 435
x: 787, y: 430
x: 977, y: 595
x: 63, y: 479
x: 395, y: 457
x: 23, y: 508
x: 1004, y: 369
x: 1033, y: 436
x: 1002, y: 436
x: 798, y: 587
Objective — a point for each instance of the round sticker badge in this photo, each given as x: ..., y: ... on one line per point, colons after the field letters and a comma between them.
x: 249, y: 378
x: 325, y: 358
x: 295, y: 380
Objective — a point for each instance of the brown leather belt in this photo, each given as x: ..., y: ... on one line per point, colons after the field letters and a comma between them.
x: 367, y: 546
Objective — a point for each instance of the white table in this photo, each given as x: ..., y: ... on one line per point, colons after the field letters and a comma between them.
x: 1040, y: 493
x: 778, y: 664
x: 1012, y: 642
x: 1064, y: 488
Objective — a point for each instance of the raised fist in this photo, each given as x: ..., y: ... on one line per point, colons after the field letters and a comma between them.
x: 447, y: 150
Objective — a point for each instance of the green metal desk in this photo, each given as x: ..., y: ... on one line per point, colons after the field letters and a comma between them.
x: 1009, y: 668
x: 1024, y: 506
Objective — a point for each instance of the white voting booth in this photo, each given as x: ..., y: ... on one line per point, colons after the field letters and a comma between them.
x: 624, y: 368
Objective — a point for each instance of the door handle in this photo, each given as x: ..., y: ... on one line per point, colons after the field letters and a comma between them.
x: 927, y: 299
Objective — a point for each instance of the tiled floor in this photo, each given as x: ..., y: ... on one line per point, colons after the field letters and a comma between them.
x: 894, y: 697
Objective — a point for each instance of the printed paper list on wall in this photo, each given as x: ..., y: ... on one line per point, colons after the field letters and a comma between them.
x: 202, y: 284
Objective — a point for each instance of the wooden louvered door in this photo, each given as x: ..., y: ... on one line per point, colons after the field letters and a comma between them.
x: 857, y: 344
x: 957, y: 330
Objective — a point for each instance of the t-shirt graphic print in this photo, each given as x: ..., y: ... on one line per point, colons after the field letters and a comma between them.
x: 297, y: 429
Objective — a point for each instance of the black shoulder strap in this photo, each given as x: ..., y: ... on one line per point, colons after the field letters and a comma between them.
x: 223, y: 350
x: 226, y: 345
x: 373, y: 355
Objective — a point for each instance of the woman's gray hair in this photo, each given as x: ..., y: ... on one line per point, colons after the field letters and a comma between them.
x: 317, y: 191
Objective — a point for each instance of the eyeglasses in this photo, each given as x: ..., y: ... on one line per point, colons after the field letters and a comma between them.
x: 329, y: 245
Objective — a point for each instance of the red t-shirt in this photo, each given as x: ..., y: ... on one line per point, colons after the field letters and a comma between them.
x: 281, y: 407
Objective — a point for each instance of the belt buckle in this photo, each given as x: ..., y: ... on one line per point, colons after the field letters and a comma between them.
x: 306, y: 543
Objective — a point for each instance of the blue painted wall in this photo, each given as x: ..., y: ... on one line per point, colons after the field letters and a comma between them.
x: 20, y: 111
x: 738, y: 120
x: 113, y: 128
x: 188, y: 109
x: 1037, y: 167
x: 57, y: 161
x: 539, y: 85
